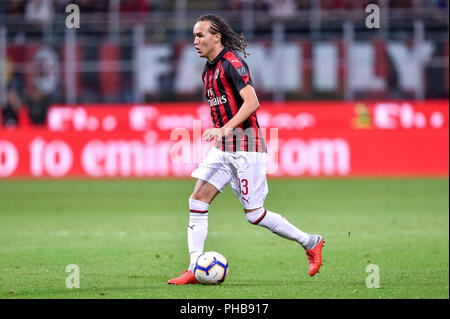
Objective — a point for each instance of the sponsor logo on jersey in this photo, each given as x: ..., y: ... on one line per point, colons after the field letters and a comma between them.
x: 218, y: 100
x: 213, y: 100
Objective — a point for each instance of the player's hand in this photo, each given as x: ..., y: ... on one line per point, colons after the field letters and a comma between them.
x: 216, y: 133
x: 213, y: 134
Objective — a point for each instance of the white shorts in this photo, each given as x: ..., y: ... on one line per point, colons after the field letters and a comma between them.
x: 245, y: 170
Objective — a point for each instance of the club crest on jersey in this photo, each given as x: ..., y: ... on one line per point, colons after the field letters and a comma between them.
x: 217, y: 73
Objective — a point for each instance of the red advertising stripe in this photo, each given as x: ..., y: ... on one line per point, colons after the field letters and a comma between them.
x: 292, y: 116
x: 400, y: 138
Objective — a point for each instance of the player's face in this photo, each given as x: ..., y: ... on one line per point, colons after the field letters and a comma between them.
x: 205, y: 42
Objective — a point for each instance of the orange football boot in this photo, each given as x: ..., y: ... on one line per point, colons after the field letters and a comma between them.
x: 315, y: 258
x: 185, y: 279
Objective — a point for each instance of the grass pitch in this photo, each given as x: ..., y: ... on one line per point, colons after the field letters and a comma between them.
x: 129, y: 237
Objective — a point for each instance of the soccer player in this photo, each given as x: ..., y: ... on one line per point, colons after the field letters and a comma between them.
x: 239, y: 156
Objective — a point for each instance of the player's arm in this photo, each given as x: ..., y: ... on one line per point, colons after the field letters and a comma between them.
x: 249, y: 106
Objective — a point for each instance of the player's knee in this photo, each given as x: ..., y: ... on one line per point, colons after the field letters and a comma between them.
x: 195, y: 196
x: 200, y: 197
x: 255, y: 216
x: 204, y: 192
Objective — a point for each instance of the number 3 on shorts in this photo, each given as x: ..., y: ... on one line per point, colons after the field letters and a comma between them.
x: 243, y: 186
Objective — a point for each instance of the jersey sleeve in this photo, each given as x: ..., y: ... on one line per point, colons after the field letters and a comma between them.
x: 238, y: 73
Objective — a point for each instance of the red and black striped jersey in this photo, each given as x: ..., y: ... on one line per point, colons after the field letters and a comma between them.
x: 223, y: 78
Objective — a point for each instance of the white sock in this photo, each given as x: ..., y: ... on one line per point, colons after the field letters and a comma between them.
x: 278, y: 225
x: 197, y: 229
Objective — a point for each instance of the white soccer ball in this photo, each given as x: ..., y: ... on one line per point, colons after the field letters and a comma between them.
x: 211, y: 268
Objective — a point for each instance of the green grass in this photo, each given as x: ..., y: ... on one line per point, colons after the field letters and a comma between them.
x: 129, y: 237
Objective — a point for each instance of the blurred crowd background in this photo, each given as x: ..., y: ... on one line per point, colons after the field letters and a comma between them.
x: 48, y: 7
x: 139, y: 51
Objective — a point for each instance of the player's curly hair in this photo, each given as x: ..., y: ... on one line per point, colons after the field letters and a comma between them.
x: 230, y: 39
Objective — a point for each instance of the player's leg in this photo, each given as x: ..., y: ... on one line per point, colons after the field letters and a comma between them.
x: 197, y: 231
x: 250, y: 186
x: 199, y: 201
x: 212, y: 177
x: 279, y: 225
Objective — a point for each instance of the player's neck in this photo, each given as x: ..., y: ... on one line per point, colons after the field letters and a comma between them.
x: 215, y: 53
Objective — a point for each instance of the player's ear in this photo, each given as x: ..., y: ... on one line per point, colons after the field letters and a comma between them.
x: 218, y: 37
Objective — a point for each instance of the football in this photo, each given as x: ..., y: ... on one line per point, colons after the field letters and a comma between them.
x: 211, y: 268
